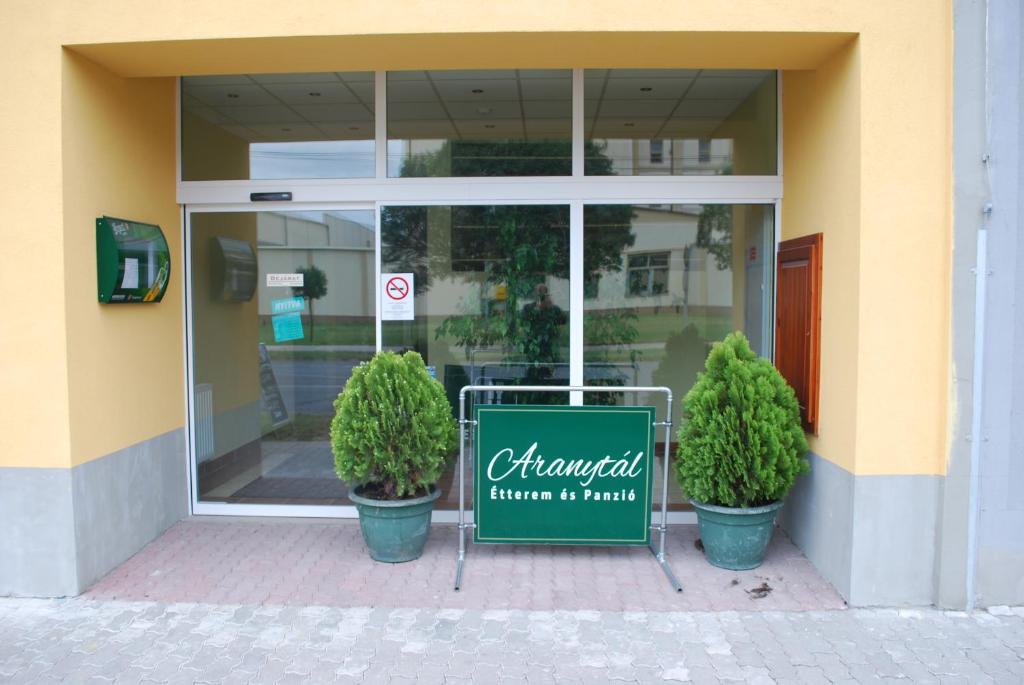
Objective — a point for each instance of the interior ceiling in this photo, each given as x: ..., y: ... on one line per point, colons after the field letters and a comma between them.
x: 527, y: 104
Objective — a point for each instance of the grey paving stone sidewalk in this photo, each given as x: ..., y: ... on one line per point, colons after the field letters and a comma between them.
x: 85, y: 641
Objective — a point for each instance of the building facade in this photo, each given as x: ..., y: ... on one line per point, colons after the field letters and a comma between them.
x: 564, y: 194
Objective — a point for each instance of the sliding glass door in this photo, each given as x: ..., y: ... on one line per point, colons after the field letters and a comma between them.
x: 283, y: 307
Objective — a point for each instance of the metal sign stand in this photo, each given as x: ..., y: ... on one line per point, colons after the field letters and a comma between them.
x: 659, y: 552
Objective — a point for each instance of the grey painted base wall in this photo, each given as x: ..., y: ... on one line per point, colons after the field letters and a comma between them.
x: 63, y: 529
x: 872, y: 537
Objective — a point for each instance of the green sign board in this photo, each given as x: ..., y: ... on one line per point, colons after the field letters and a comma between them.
x: 563, y: 475
x: 133, y: 262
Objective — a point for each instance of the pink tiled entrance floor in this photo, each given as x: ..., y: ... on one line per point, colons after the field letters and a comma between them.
x: 324, y: 563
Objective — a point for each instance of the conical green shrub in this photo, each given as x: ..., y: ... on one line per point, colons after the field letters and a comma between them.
x: 741, y: 443
x: 393, y: 427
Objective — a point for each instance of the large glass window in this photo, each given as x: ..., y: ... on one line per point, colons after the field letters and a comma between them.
x: 672, y: 279
x: 664, y: 122
x: 265, y: 126
x: 491, y: 288
x: 480, y: 123
x: 283, y: 307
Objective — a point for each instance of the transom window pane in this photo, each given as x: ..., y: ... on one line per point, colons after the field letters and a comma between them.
x: 261, y: 126
x: 678, y: 122
x: 480, y: 123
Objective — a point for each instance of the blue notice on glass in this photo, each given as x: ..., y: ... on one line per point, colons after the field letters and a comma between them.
x: 287, y: 305
x: 287, y: 327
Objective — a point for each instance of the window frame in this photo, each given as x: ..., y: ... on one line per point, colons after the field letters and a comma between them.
x: 576, y: 191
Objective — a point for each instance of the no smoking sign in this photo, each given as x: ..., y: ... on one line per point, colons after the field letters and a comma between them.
x: 397, y: 301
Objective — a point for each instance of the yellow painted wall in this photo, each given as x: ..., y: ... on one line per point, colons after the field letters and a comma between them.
x: 125, y: 368
x: 867, y: 159
x: 34, y: 426
x: 821, y: 161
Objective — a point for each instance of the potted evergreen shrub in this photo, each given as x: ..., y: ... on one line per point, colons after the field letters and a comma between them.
x: 391, y: 435
x: 741, y: 447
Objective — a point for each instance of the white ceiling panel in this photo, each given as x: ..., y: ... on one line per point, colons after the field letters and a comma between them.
x: 312, y: 93
x: 346, y: 132
x: 288, y: 132
x: 456, y: 90
x: 314, y: 77
x: 242, y: 94
x: 648, y: 73
x: 548, y: 110
x: 266, y: 114
x: 690, y: 128
x: 487, y: 110
x: 438, y: 128
x: 230, y: 79
x: 499, y: 128
x: 639, y: 109
x: 325, y: 114
x: 530, y: 74
x: 407, y: 76
x: 723, y: 88
x: 413, y: 111
x: 690, y: 109
x: 548, y: 89
x: 411, y: 91
x: 632, y: 127
x: 355, y: 76
x: 363, y: 91
x: 631, y: 89
x: 209, y: 114
x: 242, y: 132
x: 548, y: 128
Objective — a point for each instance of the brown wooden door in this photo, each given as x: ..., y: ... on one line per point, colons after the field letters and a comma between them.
x: 798, y: 321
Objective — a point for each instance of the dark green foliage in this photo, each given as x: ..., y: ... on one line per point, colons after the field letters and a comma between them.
x: 392, y: 428
x: 742, y: 444
x: 314, y: 286
x: 714, y: 233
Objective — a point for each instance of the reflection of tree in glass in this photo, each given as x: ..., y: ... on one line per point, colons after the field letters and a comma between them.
x: 684, y: 356
x: 714, y: 233
x: 526, y: 245
x: 314, y: 286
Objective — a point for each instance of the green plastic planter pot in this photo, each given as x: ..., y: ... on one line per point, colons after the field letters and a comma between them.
x: 736, y: 538
x: 395, y: 530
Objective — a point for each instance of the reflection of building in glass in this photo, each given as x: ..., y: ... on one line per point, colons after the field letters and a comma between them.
x: 335, y: 243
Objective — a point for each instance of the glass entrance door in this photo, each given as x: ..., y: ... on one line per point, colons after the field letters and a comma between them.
x: 491, y: 288
x: 282, y: 307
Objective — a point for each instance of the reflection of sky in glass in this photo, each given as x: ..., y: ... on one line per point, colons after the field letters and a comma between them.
x: 312, y: 159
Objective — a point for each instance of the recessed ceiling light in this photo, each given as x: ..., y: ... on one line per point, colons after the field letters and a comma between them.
x: 646, y: 89
x: 314, y: 94
x: 478, y: 90
x: 233, y: 96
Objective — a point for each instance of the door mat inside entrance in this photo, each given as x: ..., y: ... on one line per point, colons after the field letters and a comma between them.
x: 309, y: 474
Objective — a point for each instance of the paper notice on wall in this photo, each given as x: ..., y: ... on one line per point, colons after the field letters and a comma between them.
x: 284, y: 280
x: 130, y: 280
x: 396, y: 302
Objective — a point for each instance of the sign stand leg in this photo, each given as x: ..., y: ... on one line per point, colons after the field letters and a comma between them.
x: 462, y: 491
x: 659, y: 554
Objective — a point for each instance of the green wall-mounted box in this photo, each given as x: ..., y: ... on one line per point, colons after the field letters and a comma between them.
x: 133, y: 262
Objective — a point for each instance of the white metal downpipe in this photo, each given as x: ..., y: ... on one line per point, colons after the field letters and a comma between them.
x: 978, y: 373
